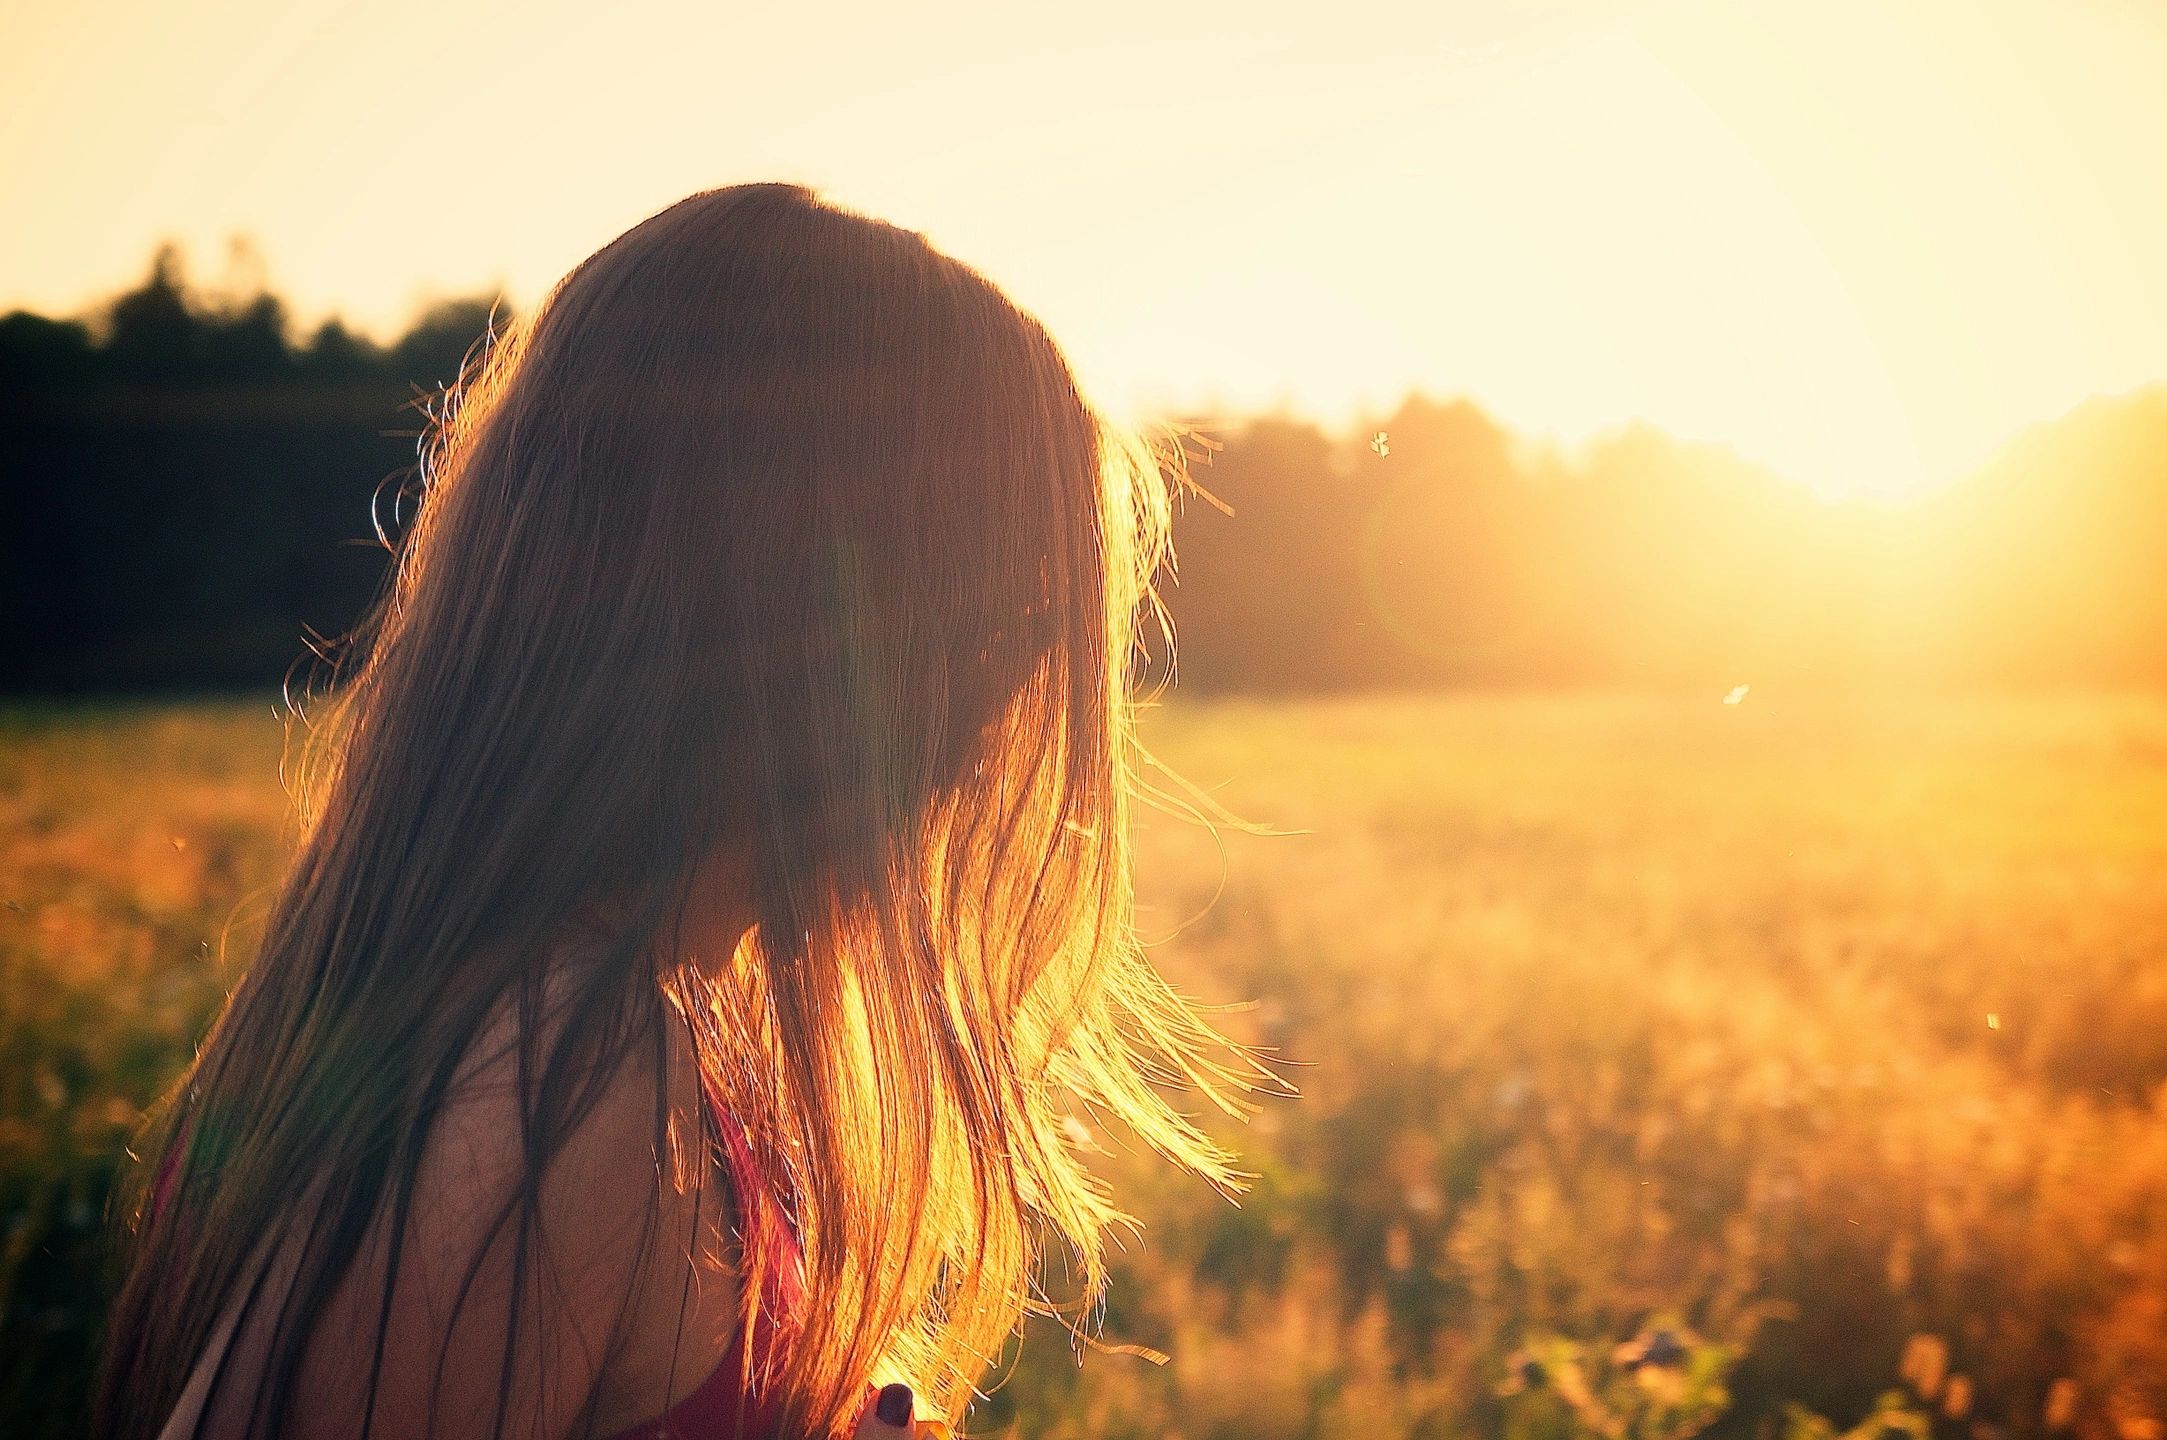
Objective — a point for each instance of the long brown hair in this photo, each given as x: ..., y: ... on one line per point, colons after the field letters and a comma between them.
x: 772, y: 525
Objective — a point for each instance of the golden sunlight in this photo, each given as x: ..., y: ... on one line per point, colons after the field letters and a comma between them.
x: 1861, y: 243
x: 1655, y: 514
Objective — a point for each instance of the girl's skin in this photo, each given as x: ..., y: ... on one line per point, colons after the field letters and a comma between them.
x: 674, y: 1344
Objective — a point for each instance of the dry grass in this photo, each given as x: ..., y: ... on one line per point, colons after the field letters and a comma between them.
x: 1617, y: 1018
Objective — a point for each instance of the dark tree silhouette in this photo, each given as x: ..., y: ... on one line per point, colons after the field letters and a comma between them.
x: 152, y: 333
x: 190, y: 499
x: 190, y: 495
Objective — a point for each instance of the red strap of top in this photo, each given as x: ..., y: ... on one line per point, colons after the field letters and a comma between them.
x: 765, y: 1222
x: 722, y: 1407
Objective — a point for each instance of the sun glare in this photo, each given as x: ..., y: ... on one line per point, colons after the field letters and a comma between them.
x: 1861, y: 243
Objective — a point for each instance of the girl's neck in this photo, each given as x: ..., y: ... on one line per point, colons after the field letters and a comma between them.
x: 704, y: 934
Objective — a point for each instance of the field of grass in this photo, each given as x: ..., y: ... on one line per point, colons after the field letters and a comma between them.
x: 1783, y: 1069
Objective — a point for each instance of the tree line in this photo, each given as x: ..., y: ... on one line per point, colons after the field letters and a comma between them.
x: 192, y: 489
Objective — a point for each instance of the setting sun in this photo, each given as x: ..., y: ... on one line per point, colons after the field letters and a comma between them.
x: 1861, y: 243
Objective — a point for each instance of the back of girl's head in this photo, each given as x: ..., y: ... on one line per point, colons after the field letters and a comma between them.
x: 776, y: 510
x: 772, y: 529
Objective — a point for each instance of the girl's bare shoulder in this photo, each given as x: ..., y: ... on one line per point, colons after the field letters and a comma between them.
x: 632, y: 1284
x: 611, y: 1276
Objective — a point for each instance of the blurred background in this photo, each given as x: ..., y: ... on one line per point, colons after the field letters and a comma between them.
x: 1676, y: 580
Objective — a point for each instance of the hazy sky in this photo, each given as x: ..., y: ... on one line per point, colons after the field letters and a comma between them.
x: 1860, y: 240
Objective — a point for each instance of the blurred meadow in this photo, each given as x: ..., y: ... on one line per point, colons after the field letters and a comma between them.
x: 1777, y: 1068
x: 1671, y: 584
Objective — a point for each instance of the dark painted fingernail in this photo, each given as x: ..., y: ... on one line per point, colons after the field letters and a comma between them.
x: 894, y: 1405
